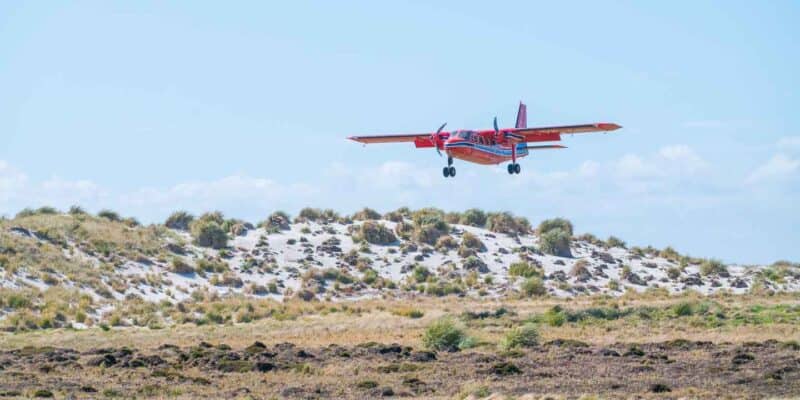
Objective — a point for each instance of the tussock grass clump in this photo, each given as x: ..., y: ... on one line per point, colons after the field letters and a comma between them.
x: 318, y: 215
x: 713, y: 267
x: 446, y: 243
x: 373, y: 233
x: 429, y: 226
x: 179, y: 220
x: 614, y: 241
x: 555, y: 237
x: 524, y: 336
x: 533, y: 286
x: 507, y: 223
x: 524, y: 269
x: 470, y: 241
x: 473, y: 217
x: 366, y: 214
x: 179, y: 266
x: 553, y: 224
x: 445, y: 334
x: 580, y: 269
x: 109, y: 215
x: 208, y: 231
x: 556, y: 242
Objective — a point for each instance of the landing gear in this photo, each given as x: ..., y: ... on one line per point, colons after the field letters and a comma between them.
x: 514, y: 168
x: 449, y: 171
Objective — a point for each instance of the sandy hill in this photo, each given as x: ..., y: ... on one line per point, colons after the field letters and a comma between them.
x: 103, y: 260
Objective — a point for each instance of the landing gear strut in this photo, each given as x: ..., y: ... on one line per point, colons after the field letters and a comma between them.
x: 514, y: 168
x: 449, y: 170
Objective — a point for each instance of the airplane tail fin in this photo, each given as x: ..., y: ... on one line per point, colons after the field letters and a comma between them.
x: 522, y: 116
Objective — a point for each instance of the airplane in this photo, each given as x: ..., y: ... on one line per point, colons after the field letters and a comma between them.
x: 490, y: 146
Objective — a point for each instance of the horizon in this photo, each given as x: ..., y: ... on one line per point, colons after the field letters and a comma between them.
x: 150, y: 108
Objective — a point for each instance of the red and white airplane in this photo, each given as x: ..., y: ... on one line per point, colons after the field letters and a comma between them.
x: 490, y: 146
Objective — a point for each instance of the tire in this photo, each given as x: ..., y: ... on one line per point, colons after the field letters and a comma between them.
x: 510, y: 169
x: 517, y: 168
x: 452, y: 171
x: 446, y: 172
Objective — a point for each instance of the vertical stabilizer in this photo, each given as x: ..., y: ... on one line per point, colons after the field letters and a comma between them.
x: 522, y: 116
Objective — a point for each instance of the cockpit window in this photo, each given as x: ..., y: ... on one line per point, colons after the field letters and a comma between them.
x: 466, y: 135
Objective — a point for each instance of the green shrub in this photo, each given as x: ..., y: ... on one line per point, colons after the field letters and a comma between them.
x: 473, y: 217
x: 553, y: 224
x: 374, y: 233
x: 421, y: 274
x: 445, y: 243
x: 393, y: 216
x: 366, y: 214
x: 613, y: 241
x: 506, y: 223
x: 683, y: 309
x: 522, y: 336
x: 713, y: 267
x: 452, y: 218
x: 533, y: 286
x: 470, y: 241
x: 77, y: 210
x: 580, y: 269
x: 109, y: 215
x: 208, y: 233
x: 673, y: 272
x: 179, y: 220
x: 444, y: 335
x: 181, y: 267
x: 523, y: 269
x: 556, y: 242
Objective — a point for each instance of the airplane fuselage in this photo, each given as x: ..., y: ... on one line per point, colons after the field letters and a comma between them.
x: 481, y: 149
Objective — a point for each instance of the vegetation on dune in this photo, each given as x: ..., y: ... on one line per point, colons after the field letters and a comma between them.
x: 713, y: 267
x: 208, y: 231
x: 555, y: 237
x: 179, y: 220
x: 553, y: 224
x: 533, y: 286
x: 473, y: 217
x: 524, y: 269
x: 505, y: 222
x: 556, y: 242
x: 366, y: 214
x: 318, y: 215
x: 373, y: 233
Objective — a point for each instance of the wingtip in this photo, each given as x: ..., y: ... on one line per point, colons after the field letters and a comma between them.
x: 607, y: 126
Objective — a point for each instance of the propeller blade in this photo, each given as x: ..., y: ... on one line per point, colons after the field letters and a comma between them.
x: 495, y: 126
x: 435, y: 138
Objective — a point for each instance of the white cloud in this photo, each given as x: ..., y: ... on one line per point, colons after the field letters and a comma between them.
x: 777, y: 168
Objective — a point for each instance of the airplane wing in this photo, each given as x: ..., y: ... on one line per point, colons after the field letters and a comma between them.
x: 419, y: 139
x: 553, y: 133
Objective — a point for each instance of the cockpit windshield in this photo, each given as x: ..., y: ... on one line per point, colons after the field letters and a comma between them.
x: 466, y: 135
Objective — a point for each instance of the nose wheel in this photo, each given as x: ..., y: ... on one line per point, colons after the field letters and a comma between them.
x: 514, y: 168
x: 449, y: 171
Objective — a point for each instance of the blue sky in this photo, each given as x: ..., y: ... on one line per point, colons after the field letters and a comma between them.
x: 148, y: 107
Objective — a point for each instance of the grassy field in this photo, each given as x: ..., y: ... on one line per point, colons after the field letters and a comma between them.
x: 637, y: 345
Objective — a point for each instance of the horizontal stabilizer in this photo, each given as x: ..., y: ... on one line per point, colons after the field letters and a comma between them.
x: 546, y: 147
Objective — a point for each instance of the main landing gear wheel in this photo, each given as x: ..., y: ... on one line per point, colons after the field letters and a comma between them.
x: 514, y: 168
x: 449, y: 171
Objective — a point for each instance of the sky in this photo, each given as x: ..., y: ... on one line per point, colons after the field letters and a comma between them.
x: 149, y: 107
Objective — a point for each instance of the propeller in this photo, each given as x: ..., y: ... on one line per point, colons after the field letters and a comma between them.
x: 496, y: 130
x: 435, y: 138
